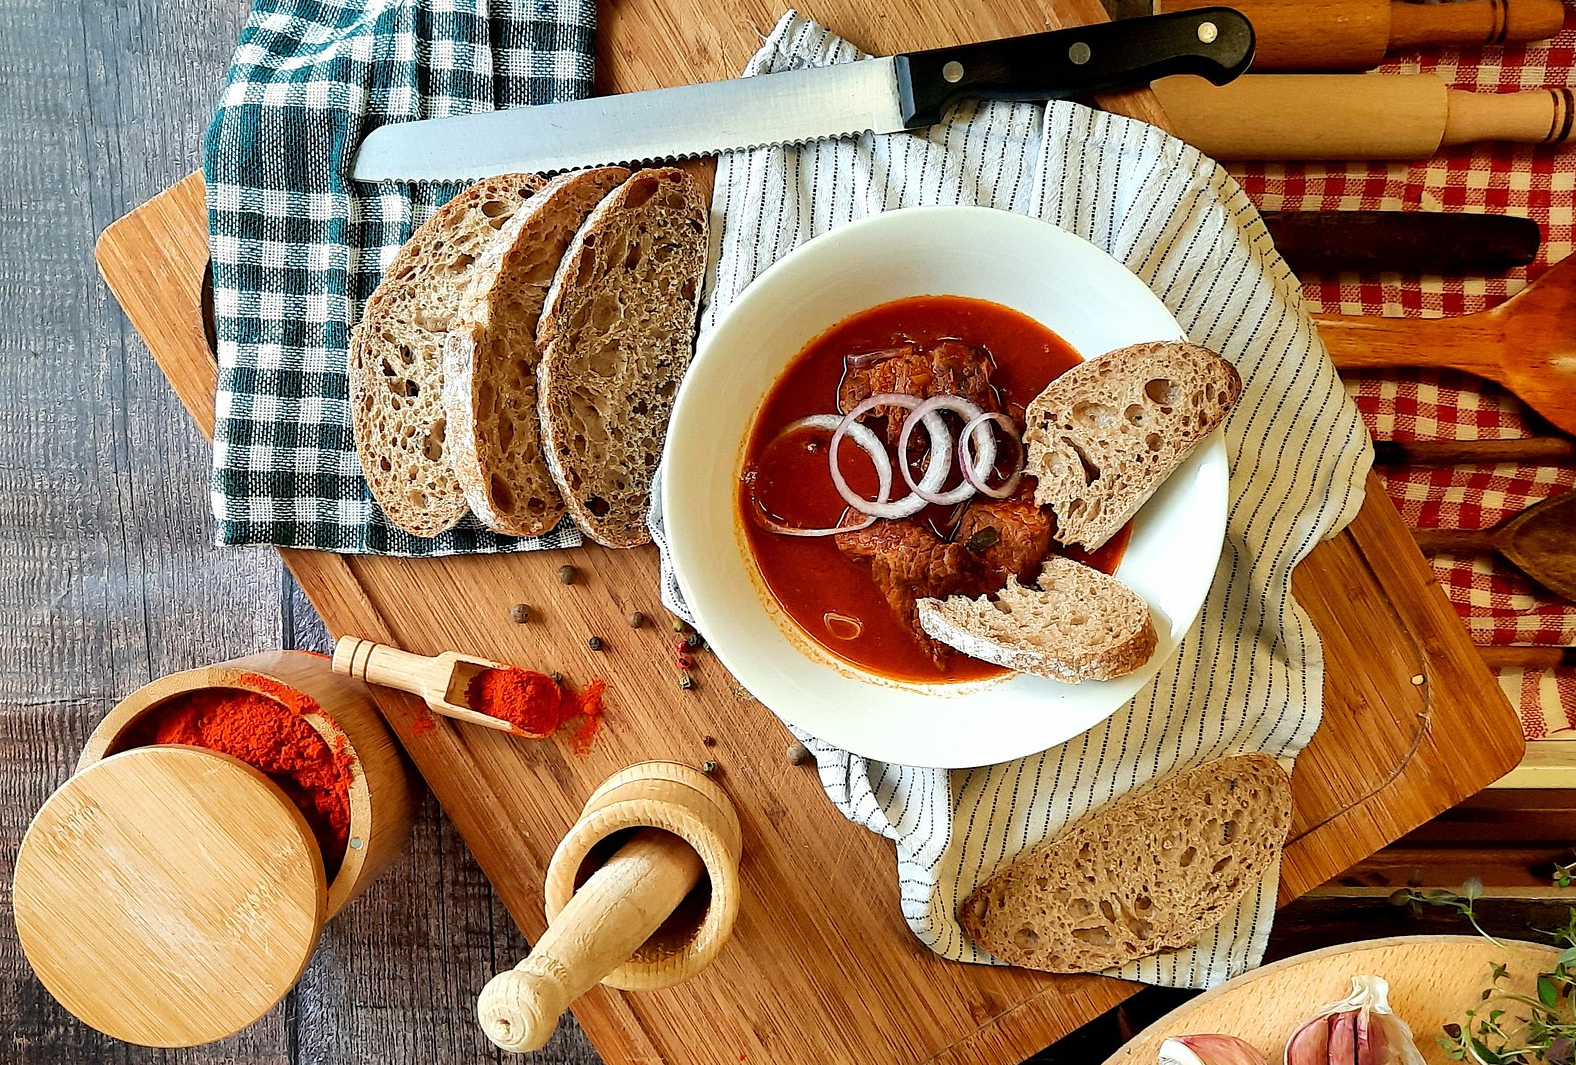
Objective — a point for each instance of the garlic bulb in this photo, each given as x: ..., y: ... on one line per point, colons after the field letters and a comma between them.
x: 1208, y: 1050
x: 1360, y: 1028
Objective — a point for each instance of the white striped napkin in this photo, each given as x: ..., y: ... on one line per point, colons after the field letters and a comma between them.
x: 1249, y: 677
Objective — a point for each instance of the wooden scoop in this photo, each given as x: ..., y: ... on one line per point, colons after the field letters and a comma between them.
x: 1527, y: 343
x: 441, y: 680
x: 1538, y: 541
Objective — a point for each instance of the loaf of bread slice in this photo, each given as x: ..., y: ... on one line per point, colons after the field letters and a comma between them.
x: 490, y: 359
x: 1075, y: 624
x: 1103, y: 436
x: 616, y: 337
x: 1151, y: 871
x: 396, y: 356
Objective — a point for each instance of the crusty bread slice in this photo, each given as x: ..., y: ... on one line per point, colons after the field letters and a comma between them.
x: 616, y: 337
x: 396, y: 356
x: 1077, y: 624
x: 1152, y: 871
x: 1105, y: 434
x: 490, y: 359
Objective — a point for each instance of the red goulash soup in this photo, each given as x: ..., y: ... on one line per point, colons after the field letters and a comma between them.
x: 833, y: 597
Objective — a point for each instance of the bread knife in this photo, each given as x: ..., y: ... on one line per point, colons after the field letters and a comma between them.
x: 880, y: 95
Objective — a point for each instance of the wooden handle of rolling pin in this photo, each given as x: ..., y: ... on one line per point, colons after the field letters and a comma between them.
x: 1370, y: 116
x: 612, y: 914
x: 1356, y: 34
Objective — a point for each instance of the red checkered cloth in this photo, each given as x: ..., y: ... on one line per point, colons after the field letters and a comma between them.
x: 1499, y: 605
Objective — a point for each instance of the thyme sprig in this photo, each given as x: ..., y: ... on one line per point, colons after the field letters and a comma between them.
x: 1507, y: 1027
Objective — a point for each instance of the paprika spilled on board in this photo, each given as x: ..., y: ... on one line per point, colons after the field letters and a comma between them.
x: 535, y: 704
x: 266, y: 728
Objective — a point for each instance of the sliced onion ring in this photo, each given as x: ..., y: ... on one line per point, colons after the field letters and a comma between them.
x: 975, y: 472
x: 865, y: 438
x: 937, y: 468
x: 879, y: 508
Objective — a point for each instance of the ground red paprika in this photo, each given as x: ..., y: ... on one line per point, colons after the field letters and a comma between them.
x: 266, y: 729
x: 528, y: 700
x: 535, y: 704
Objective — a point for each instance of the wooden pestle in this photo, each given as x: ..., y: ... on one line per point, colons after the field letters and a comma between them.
x: 1356, y: 34
x: 612, y: 914
x: 1339, y: 116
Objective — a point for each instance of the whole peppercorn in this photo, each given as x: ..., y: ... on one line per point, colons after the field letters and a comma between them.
x: 678, y: 625
x: 595, y: 643
x: 567, y: 574
x: 693, y: 640
x: 708, y: 741
x: 558, y: 678
x: 636, y: 619
x: 798, y: 753
x: 519, y: 613
x: 708, y: 767
x: 686, y: 682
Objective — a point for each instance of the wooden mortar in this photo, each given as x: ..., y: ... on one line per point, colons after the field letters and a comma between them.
x: 641, y: 894
x: 384, y: 796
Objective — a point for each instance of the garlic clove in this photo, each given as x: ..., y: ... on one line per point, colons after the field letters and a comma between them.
x: 1343, y: 1038
x: 1373, y: 1042
x: 1310, y: 1044
x: 1209, y: 1050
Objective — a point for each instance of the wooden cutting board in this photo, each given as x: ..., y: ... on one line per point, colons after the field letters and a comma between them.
x: 822, y: 968
x: 1433, y: 981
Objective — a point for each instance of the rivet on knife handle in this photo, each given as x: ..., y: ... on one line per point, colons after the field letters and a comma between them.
x: 1215, y: 43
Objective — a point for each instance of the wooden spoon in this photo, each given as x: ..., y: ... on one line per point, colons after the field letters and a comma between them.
x: 441, y: 680
x: 1527, y: 343
x: 1538, y: 541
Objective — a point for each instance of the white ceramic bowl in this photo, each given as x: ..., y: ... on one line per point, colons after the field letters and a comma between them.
x: 1068, y: 284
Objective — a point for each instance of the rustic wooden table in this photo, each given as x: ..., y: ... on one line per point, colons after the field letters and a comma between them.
x: 107, y: 579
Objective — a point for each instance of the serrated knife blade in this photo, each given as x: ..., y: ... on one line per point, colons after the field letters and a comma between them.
x: 884, y: 95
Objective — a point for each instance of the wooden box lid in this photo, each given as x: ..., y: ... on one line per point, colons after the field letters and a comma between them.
x: 169, y: 896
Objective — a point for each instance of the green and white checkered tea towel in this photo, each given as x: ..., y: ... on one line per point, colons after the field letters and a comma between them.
x: 297, y: 247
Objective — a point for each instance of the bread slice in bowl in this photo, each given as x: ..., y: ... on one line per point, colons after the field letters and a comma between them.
x: 396, y: 356
x: 616, y: 336
x: 490, y: 359
x: 1151, y: 871
x: 1103, y: 436
x: 1074, y: 624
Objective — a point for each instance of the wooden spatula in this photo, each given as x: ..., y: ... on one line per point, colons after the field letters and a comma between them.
x: 441, y: 680
x: 1527, y: 343
x: 1540, y: 541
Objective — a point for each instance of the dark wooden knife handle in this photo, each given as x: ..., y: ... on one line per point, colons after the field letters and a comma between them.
x: 1411, y: 242
x: 1215, y: 43
x: 1501, y: 656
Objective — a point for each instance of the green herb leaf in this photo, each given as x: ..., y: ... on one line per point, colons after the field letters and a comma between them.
x: 1484, y: 1054
x: 1472, y: 889
x: 1548, y: 992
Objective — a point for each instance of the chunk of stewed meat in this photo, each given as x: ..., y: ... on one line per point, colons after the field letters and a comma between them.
x: 1008, y: 537
x: 947, y: 367
x: 909, y: 562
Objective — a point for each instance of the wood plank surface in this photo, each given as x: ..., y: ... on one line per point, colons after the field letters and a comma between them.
x: 108, y: 577
x: 822, y: 968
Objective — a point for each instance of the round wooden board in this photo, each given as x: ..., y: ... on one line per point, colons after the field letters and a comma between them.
x: 1434, y: 980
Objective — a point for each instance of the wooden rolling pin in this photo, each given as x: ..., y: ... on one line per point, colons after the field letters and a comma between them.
x: 1342, y: 116
x: 1356, y: 34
